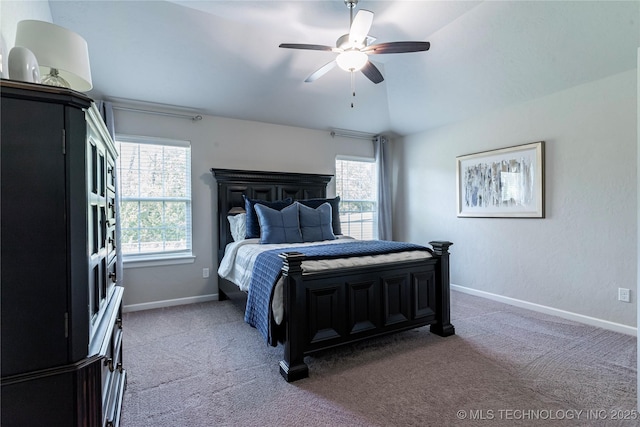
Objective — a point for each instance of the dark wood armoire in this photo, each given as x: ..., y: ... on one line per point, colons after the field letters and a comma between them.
x: 61, y: 303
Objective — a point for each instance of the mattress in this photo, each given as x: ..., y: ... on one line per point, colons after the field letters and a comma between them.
x: 237, y: 263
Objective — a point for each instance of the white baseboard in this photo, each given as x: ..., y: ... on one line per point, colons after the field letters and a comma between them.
x: 605, y: 324
x: 169, y: 303
x: 592, y: 321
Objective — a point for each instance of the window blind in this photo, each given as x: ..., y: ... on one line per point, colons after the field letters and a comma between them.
x: 155, y: 196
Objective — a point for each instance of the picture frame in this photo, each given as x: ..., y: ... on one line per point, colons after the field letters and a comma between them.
x: 502, y: 183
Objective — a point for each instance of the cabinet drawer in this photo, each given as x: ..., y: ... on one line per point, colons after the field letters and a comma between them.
x: 113, y: 410
x: 113, y: 375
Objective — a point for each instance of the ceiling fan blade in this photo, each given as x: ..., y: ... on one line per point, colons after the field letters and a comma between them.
x: 306, y: 46
x: 320, y: 72
x: 360, y: 27
x: 397, y: 47
x: 372, y: 73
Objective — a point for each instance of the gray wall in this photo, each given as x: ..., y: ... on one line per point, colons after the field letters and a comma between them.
x: 575, y: 259
x: 12, y: 12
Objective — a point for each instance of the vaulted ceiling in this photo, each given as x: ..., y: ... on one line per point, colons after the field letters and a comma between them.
x: 222, y: 57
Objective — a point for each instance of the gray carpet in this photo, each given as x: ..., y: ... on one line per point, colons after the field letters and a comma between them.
x: 201, y: 365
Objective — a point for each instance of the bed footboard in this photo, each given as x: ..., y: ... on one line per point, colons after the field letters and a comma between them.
x: 337, y: 307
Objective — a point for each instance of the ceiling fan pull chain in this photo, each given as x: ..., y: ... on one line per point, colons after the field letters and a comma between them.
x: 353, y: 87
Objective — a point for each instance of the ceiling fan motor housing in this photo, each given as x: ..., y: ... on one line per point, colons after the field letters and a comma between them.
x: 343, y: 42
x: 351, y: 3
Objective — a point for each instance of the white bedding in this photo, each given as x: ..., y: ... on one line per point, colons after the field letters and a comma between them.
x: 237, y: 263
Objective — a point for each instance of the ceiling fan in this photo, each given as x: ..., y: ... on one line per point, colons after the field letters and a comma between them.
x: 354, y: 48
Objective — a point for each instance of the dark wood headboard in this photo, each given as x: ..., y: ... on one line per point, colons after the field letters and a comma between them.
x: 232, y: 184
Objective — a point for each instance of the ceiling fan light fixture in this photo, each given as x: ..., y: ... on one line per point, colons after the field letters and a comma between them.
x: 355, y: 47
x: 352, y: 60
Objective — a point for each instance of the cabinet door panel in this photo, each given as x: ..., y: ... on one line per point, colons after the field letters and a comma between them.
x: 34, y: 237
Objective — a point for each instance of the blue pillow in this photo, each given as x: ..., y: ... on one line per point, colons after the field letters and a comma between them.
x: 335, y: 211
x: 253, y: 227
x: 315, y: 224
x: 279, y: 226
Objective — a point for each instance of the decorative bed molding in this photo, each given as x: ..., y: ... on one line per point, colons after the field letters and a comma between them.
x: 232, y: 184
x: 298, y: 179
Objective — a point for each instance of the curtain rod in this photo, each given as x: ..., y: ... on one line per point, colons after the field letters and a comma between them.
x: 193, y: 118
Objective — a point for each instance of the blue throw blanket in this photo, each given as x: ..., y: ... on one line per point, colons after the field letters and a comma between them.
x: 268, y: 265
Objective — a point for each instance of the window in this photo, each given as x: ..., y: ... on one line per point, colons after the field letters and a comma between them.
x: 357, y: 186
x: 154, y: 178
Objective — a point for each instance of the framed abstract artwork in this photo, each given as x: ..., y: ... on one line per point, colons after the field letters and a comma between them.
x: 507, y: 182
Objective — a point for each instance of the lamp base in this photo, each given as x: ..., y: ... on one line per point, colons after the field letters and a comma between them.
x: 54, y: 79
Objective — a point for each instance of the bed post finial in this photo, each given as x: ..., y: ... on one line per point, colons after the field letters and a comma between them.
x: 440, y: 247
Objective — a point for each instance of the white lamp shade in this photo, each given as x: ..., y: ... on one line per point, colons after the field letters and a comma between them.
x: 59, y: 48
x: 352, y: 60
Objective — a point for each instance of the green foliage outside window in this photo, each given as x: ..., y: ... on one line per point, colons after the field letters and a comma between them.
x: 356, y: 184
x: 155, y: 198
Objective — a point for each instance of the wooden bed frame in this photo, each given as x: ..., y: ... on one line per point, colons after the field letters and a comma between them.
x: 340, y: 306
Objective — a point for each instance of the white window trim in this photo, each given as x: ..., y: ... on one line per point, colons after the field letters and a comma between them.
x: 356, y: 159
x: 362, y: 159
x: 154, y: 260
x: 152, y: 140
x: 138, y: 261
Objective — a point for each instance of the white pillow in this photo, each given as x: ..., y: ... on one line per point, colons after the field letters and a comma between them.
x: 238, y: 225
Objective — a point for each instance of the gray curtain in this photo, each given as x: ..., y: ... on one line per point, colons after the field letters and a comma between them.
x: 383, y: 165
x: 106, y: 111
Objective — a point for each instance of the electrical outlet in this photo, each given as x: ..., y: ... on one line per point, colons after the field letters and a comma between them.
x: 624, y: 294
x: 205, y: 273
